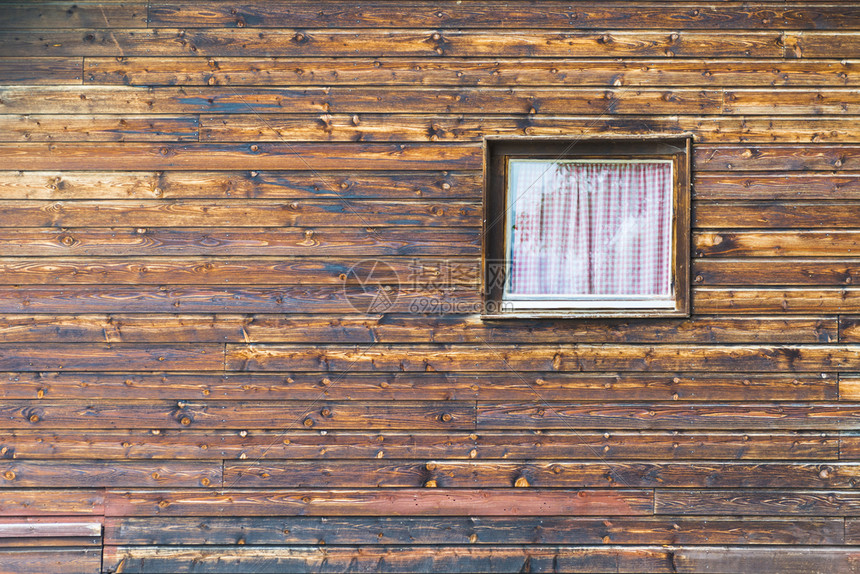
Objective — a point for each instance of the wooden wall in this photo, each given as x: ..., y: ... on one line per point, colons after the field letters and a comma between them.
x: 186, y: 387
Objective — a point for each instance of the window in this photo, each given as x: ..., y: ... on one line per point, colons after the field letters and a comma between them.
x: 586, y: 228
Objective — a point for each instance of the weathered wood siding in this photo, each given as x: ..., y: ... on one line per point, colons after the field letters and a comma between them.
x: 185, y: 386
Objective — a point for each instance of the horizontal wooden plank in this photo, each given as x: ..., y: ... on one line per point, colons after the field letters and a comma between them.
x: 59, y: 15
x: 541, y: 14
x: 215, y: 299
x: 474, y: 530
x: 53, y: 527
x: 791, y: 416
x: 794, y: 243
x: 48, y: 128
x: 331, y: 299
x: 371, y: 43
x: 775, y: 300
x: 78, y: 542
x: 176, y: 414
x: 292, y: 559
x: 118, y: 474
x: 849, y: 443
x: 62, y: 502
x: 849, y: 386
x: 284, y: 155
x: 454, y: 445
x: 238, y: 213
x: 95, y: 99
x: 798, y: 560
x: 774, y: 187
x: 401, y: 502
x: 392, y: 328
x: 849, y: 329
x: 780, y: 158
x: 248, y: 241
x: 772, y: 271
x: 555, y: 474
x: 585, y: 357
x: 219, y: 271
x: 820, y: 44
x: 108, y: 357
x: 37, y: 561
x: 64, y: 185
x: 420, y: 128
x: 274, y: 71
x: 422, y: 386
x: 852, y: 530
x: 757, y: 502
x: 775, y: 214
x: 41, y: 71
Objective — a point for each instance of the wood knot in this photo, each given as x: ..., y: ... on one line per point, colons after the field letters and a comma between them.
x: 308, y: 422
x: 9, y: 475
x: 430, y: 484
x: 521, y: 482
x: 446, y: 417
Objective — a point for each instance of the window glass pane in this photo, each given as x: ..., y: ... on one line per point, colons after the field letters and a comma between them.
x: 589, y: 229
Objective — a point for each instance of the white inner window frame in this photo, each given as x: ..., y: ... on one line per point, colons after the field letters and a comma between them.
x: 517, y: 302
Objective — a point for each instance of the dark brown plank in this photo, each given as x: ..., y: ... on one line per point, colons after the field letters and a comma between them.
x: 401, y: 502
x: 107, y: 357
x: 420, y: 386
x: 763, y: 503
x: 454, y: 445
x: 428, y: 415
x: 480, y: 531
x: 392, y: 328
x: 238, y: 213
x: 772, y: 271
x: 795, y: 243
x: 49, y: 128
x: 775, y: 214
x: 41, y: 71
x: 38, y: 561
x: 668, y: 357
x: 314, y: 156
x: 798, y: 560
x: 215, y: 299
x: 95, y: 99
x: 301, y: 559
x: 773, y: 187
x: 776, y: 157
x: 422, y: 128
x: 849, y: 329
x: 668, y: 415
x: 852, y: 531
x: 273, y: 71
x: 821, y: 45
x: 31, y: 502
x: 221, y: 271
x: 371, y: 43
x: 64, y: 185
x: 59, y: 15
x: 555, y: 474
x: 288, y: 241
x: 117, y: 474
x: 541, y: 14
x: 775, y: 300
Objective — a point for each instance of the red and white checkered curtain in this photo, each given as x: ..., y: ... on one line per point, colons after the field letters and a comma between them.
x: 590, y: 228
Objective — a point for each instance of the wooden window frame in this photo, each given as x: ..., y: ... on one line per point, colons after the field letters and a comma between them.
x: 676, y: 148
